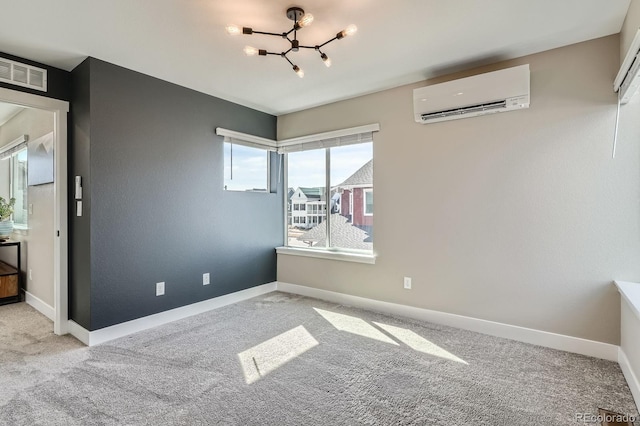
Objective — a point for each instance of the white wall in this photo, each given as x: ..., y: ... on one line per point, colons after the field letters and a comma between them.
x: 521, y: 218
x: 37, y: 241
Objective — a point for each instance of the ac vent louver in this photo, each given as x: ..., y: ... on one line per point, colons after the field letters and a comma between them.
x: 24, y: 75
x: 467, y: 110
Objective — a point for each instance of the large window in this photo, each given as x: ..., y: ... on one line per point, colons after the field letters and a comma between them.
x: 245, y: 168
x: 334, y: 189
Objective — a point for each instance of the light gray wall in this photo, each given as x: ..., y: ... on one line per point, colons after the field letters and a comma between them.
x: 521, y: 218
x: 37, y: 241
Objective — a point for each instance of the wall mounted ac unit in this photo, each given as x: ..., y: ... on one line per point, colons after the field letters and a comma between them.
x: 627, y: 81
x: 497, y: 91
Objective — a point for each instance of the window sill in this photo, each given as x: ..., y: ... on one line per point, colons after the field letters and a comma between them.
x: 20, y: 230
x: 630, y: 292
x: 330, y: 255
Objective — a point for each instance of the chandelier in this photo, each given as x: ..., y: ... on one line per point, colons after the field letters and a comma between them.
x: 300, y: 20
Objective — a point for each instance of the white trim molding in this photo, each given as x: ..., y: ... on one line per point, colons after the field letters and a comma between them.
x: 369, y: 258
x: 246, y: 139
x: 629, y: 375
x: 40, y: 306
x: 79, y: 332
x: 91, y: 338
x: 329, y: 135
x: 522, y: 334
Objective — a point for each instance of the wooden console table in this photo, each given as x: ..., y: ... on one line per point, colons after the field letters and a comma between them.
x: 10, y: 277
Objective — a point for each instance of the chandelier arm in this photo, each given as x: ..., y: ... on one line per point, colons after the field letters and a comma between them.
x: 309, y: 47
x: 284, y: 55
x: 327, y: 42
x: 267, y: 33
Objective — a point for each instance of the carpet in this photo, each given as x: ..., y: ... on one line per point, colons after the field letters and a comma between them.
x: 282, y: 359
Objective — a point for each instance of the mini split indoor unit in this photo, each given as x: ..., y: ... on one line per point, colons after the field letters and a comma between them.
x: 497, y: 91
x: 628, y: 79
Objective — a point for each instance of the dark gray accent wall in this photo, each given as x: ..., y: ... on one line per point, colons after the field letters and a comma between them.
x: 58, y: 81
x: 158, y: 211
x: 79, y: 227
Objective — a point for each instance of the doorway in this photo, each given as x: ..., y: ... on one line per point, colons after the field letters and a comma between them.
x: 59, y: 231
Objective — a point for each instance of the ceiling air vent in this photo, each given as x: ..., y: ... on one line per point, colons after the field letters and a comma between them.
x: 23, y: 75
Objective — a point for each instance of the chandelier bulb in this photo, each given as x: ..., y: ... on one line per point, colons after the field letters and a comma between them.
x: 298, y: 71
x: 306, y: 20
x: 250, y: 51
x: 350, y: 30
x: 326, y: 59
x: 232, y: 29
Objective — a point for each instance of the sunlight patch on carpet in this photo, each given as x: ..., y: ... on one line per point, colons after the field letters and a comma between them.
x: 354, y: 325
x: 272, y: 354
x: 418, y: 343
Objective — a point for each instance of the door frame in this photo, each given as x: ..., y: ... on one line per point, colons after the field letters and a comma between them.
x: 60, y: 110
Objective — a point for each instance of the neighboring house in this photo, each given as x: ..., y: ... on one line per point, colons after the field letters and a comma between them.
x: 356, y: 201
x: 308, y: 207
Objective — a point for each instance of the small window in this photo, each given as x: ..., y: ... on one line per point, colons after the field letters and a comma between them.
x: 368, y: 202
x: 245, y: 168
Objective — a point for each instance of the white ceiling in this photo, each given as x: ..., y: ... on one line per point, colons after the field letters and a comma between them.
x: 7, y: 112
x: 398, y: 42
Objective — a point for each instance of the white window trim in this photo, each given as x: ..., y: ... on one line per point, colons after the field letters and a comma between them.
x: 351, y: 204
x: 323, y: 253
x: 12, y: 164
x: 364, y: 201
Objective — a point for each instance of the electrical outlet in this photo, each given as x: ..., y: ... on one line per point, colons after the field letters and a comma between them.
x: 407, y: 283
x: 206, y: 279
x: 160, y: 289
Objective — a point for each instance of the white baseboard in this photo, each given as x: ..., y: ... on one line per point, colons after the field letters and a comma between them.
x: 630, y: 376
x: 78, y: 331
x: 40, y: 306
x: 91, y: 338
x: 522, y: 334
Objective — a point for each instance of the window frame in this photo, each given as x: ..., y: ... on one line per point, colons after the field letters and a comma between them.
x: 366, y: 191
x: 328, y: 248
x: 224, y: 159
x: 12, y: 187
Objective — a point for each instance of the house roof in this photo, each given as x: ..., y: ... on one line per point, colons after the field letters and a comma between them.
x: 362, y: 177
x: 315, y: 192
x: 343, y: 234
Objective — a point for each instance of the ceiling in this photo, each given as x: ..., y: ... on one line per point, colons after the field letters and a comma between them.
x: 7, y: 112
x: 399, y: 42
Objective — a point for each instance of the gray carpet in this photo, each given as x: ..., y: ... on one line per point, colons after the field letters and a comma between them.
x: 281, y: 359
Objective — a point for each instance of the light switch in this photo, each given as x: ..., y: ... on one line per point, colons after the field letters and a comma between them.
x: 78, y: 194
x: 78, y: 208
x: 30, y: 208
